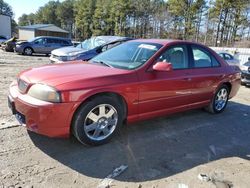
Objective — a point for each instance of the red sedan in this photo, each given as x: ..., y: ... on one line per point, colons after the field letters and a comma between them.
x: 134, y: 81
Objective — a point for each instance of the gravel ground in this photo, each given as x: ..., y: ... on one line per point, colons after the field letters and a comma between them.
x: 165, y: 152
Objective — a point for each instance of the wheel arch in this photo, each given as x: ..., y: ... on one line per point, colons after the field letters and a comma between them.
x: 28, y: 47
x: 228, y: 84
x: 118, y: 96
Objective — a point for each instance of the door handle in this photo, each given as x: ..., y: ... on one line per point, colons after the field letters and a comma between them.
x: 187, y: 79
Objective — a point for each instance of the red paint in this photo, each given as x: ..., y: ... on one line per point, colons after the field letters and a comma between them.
x: 163, y: 66
x: 147, y: 92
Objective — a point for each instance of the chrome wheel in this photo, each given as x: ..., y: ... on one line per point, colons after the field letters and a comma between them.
x: 28, y: 51
x: 100, y: 122
x: 221, y: 99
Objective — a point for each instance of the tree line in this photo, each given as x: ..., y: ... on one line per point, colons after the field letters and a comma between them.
x: 213, y: 22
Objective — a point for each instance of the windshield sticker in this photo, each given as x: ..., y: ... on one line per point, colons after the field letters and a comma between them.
x: 148, y: 46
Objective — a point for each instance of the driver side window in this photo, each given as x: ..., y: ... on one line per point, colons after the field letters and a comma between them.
x: 39, y: 41
x: 177, y: 56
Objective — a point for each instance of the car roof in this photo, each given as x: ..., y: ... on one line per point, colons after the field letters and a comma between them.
x: 61, y: 38
x: 158, y: 41
x: 223, y: 52
x: 110, y: 39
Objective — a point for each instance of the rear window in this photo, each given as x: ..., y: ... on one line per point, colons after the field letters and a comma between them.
x: 203, y: 58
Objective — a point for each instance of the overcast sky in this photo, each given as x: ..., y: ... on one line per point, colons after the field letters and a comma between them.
x: 20, y: 7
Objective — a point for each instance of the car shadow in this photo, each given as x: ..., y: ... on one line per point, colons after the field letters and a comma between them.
x: 34, y: 55
x: 160, y: 147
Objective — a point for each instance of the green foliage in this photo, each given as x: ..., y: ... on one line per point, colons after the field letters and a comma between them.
x: 5, y: 9
x: 185, y: 13
x: 27, y: 19
x: 208, y: 21
x: 65, y: 13
x: 47, y: 14
x: 85, y: 10
x: 101, y: 19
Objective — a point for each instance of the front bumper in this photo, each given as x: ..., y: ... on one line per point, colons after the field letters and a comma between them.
x: 18, y: 49
x: 58, y: 59
x: 46, y: 118
x: 245, y: 77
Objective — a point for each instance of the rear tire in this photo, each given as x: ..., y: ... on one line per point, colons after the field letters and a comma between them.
x: 219, y: 101
x: 98, y: 120
x: 27, y: 51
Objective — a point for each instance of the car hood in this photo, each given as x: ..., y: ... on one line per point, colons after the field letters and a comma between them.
x: 66, y: 51
x: 73, y: 75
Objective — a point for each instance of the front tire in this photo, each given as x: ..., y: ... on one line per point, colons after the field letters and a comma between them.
x: 98, y: 120
x: 27, y: 51
x: 219, y: 101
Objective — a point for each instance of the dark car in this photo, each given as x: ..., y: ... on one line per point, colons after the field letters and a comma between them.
x: 230, y: 59
x: 2, y: 39
x: 86, y: 49
x: 134, y: 81
x: 9, y: 45
x: 245, y: 73
x: 41, y: 45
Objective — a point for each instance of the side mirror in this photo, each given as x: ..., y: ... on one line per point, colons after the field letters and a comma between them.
x: 163, y: 66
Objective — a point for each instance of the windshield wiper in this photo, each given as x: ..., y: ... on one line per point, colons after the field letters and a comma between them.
x: 103, y: 63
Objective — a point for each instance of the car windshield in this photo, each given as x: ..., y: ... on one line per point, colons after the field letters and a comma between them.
x: 91, y: 43
x: 128, y: 55
x: 33, y: 39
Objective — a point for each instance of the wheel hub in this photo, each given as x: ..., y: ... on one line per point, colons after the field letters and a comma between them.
x: 102, y: 122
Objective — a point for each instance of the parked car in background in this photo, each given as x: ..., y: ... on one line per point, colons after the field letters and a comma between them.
x: 2, y: 39
x: 41, y: 45
x: 230, y: 59
x: 9, y: 45
x: 245, y: 73
x: 86, y: 49
x: 134, y: 81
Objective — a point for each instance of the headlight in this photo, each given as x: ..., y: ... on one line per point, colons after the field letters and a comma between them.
x: 73, y: 56
x: 22, y: 85
x: 45, y: 93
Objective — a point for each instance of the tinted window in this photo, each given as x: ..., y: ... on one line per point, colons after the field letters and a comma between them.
x: 215, y: 62
x: 203, y: 58
x: 40, y: 41
x: 106, y: 47
x: 228, y: 57
x: 177, y: 56
x: 221, y: 55
x: 52, y: 41
x: 64, y: 42
x: 128, y: 55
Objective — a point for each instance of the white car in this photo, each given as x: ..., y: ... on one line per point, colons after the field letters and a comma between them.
x: 230, y: 59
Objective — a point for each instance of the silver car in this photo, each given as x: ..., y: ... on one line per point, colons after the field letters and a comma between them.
x: 245, y: 73
x: 230, y: 59
x: 87, y: 49
x: 41, y: 45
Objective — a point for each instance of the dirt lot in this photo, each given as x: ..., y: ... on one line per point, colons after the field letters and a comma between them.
x: 165, y: 152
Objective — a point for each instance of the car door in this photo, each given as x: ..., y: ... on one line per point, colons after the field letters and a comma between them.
x: 39, y: 45
x: 51, y: 45
x: 205, y: 75
x: 166, y: 91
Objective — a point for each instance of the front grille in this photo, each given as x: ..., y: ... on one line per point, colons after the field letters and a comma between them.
x: 20, y: 118
x: 22, y: 85
x: 60, y: 58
